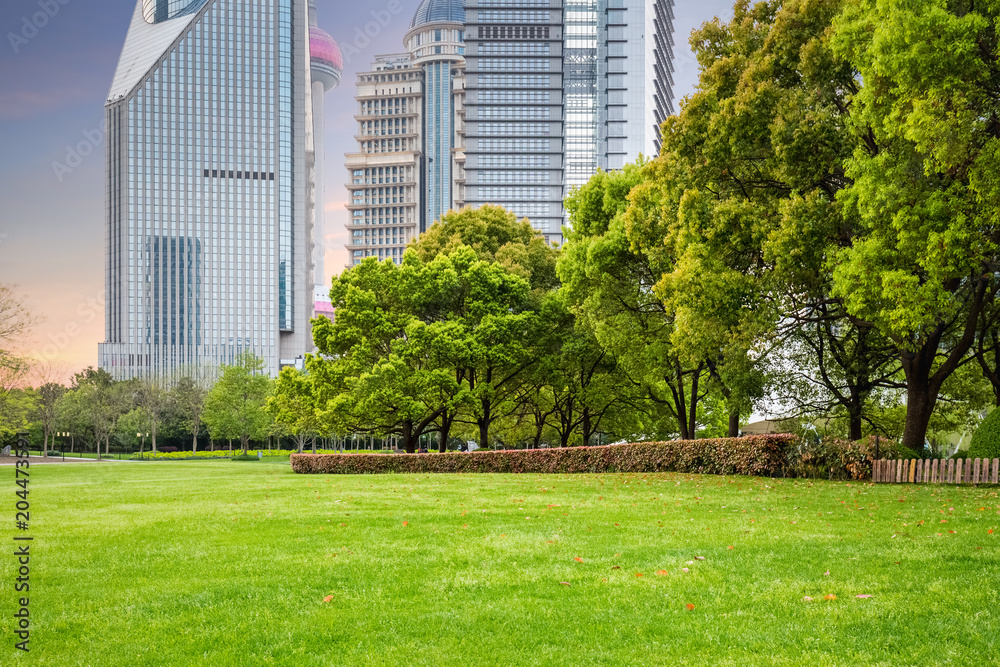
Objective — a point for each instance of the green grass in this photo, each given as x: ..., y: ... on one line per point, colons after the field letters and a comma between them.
x: 223, y: 563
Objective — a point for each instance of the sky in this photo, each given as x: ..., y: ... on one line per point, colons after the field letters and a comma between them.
x: 57, y: 59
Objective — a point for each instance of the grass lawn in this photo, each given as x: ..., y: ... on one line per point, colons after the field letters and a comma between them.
x: 227, y: 563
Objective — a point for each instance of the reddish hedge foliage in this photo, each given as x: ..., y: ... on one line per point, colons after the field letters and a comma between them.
x: 752, y: 455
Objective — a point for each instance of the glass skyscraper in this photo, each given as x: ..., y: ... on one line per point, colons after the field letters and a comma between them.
x: 211, y: 167
x: 548, y: 92
x: 515, y: 148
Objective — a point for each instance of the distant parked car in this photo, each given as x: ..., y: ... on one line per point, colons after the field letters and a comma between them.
x: 167, y: 450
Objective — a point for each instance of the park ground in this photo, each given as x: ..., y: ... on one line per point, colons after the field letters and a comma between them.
x: 231, y: 563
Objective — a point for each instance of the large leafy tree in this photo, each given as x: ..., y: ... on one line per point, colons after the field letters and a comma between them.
x: 234, y: 407
x: 609, y: 281
x: 374, y: 372
x: 924, y: 262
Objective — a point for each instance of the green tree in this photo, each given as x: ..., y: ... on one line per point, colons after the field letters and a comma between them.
x: 234, y: 407
x: 374, y: 372
x: 293, y: 406
x: 103, y: 401
x: 923, y: 264
x: 608, y: 282
x: 72, y: 417
x: 188, y: 399
x: 48, y: 401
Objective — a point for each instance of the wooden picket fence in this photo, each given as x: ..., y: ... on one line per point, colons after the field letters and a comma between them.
x: 952, y: 471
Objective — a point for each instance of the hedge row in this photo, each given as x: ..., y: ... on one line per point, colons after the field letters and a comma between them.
x: 752, y: 455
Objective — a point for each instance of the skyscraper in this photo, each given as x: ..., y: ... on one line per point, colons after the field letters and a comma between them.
x: 436, y: 43
x: 514, y: 142
x: 542, y: 94
x: 408, y: 169
x: 556, y: 89
x: 385, y: 174
x: 211, y: 217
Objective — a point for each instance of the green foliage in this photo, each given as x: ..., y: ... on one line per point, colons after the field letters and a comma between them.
x: 985, y: 442
x: 234, y: 407
x: 292, y: 405
x: 752, y: 455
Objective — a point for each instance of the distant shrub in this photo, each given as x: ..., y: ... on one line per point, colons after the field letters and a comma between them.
x: 986, y: 440
x: 752, y: 455
x: 245, y: 457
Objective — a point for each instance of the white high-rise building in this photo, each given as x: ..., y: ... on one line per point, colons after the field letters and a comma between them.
x: 212, y: 162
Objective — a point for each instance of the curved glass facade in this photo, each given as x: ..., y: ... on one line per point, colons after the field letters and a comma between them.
x: 158, y: 11
x: 208, y: 239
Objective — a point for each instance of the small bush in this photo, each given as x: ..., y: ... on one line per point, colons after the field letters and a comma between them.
x: 245, y: 457
x: 753, y: 455
x: 986, y: 440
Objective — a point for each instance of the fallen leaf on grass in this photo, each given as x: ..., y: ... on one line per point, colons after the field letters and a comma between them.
x: 863, y: 595
x: 684, y: 569
x: 661, y: 573
x: 616, y: 567
x: 689, y: 606
x: 806, y: 598
x: 729, y: 547
x: 578, y: 559
x: 406, y: 523
x: 827, y: 573
x: 638, y: 574
x: 564, y: 583
x: 830, y: 596
x: 699, y: 558
x: 327, y: 598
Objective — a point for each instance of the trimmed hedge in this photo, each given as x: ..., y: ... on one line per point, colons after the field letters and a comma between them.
x: 761, y: 455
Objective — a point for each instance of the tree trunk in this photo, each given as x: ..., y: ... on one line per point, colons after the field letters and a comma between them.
x: 854, y: 421
x: 484, y: 425
x: 734, y: 424
x: 409, y: 443
x: 194, y: 443
x: 314, y: 444
x: 245, y: 441
x: 920, y: 403
x: 585, y: 427
x: 693, y: 413
x: 444, y: 432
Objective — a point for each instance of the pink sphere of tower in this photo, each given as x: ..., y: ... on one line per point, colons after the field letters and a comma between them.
x: 325, y: 57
